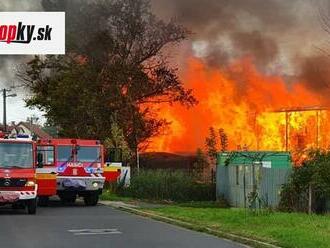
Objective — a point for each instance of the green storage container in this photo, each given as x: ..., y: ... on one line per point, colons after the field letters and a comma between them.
x: 241, y: 173
x: 268, y: 159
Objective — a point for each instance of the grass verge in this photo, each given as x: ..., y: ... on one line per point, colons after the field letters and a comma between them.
x: 107, y: 195
x: 283, y: 229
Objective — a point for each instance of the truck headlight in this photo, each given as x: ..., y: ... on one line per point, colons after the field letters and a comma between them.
x: 30, y: 184
x: 95, y: 184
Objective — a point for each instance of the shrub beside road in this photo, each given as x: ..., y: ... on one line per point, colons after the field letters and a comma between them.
x: 165, y: 185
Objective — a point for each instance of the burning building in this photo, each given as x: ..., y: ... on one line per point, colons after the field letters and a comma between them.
x: 259, y: 70
x: 258, y: 112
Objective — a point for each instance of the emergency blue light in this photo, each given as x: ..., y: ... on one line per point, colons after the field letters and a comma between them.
x: 23, y: 136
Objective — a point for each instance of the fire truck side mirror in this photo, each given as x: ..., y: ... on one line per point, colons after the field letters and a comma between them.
x: 40, y: 160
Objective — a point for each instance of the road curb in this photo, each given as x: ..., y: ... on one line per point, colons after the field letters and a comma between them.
x: 229, y: 236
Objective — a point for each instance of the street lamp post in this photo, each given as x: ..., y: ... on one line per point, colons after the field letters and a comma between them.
x: 5, y: 95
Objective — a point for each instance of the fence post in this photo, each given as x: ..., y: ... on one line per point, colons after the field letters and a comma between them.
x: 244, y: 188
x: 310, y: 199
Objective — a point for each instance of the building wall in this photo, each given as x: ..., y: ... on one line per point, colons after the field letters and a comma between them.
x: 241, y: 175
x: 235, y: 183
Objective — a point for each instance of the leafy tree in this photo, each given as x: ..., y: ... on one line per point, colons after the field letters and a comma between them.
x: 51, y: 130
x: 223, y: 140
x: 211, y: 145
x: 115, y: 66
x: 314, y: 174
x: 117, y: 140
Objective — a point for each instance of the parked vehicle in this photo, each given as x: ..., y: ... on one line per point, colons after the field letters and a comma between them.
x: 18, y: 185
x: 79, y: 169
x: 114, y: 171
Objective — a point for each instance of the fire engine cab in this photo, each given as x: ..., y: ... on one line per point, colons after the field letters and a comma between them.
x: 17, y: 173
x: 72, y: 167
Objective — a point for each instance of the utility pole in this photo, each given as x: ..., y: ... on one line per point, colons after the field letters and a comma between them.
x: 287, y: 117
x: 5, y: 95
x: 137, y: 160
x: 318, y: 112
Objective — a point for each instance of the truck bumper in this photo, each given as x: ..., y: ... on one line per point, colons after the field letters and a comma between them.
x: 80, y: 183
x: 14, y: 196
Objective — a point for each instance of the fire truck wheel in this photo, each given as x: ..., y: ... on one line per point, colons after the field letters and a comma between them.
x: 43, y: 201
x: 32, y: 206
x: 91, y: 199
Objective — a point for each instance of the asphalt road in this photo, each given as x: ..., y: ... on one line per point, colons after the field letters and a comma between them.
x: 91, y: 227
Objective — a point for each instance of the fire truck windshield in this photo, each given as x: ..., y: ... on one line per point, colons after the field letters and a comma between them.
x: 16, y: 155
x: 89, y: 154
x: 84, y: 154
x: 64, y: 153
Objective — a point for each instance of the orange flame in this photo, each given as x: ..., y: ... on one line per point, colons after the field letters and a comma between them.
x: 242, y: 101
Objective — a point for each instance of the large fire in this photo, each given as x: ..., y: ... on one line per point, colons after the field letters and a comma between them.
x: 249, y: 107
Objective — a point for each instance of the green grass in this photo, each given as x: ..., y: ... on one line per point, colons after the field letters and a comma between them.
x: 107, y: 195
x: 284, y: 229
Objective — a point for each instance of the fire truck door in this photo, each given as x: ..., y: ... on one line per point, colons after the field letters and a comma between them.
x: 46, y: 171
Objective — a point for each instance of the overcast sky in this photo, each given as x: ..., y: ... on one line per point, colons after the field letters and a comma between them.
x: 16, y: 110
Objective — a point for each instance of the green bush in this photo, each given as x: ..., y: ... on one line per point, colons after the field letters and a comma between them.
x: 314, y: 173
x: 168, y: 185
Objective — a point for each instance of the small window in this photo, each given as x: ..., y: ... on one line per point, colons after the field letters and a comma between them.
x: 237, y: 175
x: 48, y: 154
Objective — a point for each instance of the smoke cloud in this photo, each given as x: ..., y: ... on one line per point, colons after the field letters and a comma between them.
x: 281, y: 37
x: 315, y: 73
x: 8, y: 63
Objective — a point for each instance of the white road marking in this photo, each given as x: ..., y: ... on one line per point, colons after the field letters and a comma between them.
x: 79, y: 234
x: 94, y: 231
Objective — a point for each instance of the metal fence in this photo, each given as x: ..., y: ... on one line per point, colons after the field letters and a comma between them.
x: 238, y: 184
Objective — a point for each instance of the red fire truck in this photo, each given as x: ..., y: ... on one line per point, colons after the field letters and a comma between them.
x: 79, y: 169
x: 17, y: 173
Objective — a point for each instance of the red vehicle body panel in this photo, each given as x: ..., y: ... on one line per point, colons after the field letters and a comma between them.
x: 18, y: 173
x: 112, y: 176
x: 111, y: 173
x: 46, y: 184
